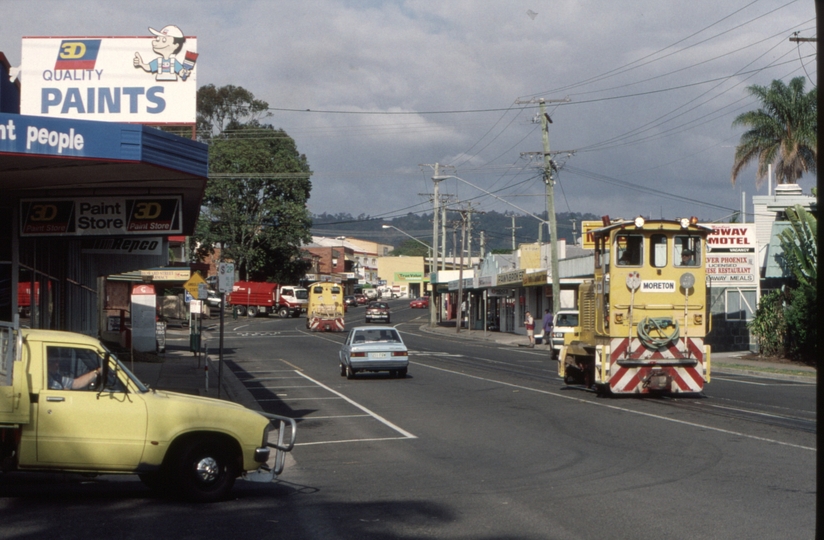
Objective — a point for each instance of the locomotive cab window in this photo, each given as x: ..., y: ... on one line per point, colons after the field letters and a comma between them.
x: 687, y: 251
x: 658, y: 250
x: 629, y: 249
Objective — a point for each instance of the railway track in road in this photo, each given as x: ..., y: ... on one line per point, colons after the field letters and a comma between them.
x: 532, y: 368
x: 761, y: 414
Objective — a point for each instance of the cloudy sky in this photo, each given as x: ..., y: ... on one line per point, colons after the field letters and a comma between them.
x: 642, y: 93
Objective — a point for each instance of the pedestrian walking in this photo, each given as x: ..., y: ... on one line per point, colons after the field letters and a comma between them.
x: 547, y: 327
x: 529, y: 322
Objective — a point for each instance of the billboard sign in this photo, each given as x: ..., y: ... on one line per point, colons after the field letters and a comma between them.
x: 731, y: 254
x: 150, y: 79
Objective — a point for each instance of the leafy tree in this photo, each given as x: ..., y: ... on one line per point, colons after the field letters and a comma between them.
x: 219, y: 107
x: 254, y: 207
x: 786, y: 320
x: 769, y: 325
x: 798, y: 243
x: 781, y: 132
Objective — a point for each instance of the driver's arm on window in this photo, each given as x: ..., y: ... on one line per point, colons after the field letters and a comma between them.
x: 83, y: 381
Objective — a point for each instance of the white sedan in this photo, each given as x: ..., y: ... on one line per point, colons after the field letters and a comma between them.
x: 374, y: 348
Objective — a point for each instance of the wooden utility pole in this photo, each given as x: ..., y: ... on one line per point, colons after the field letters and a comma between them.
x: 433, y: 301
x: 550, y: 208
x: 513, y: 228
x: 549, y: 165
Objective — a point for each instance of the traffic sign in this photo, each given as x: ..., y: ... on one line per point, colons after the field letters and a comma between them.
x: 225, y: 277
x: 193, y: 285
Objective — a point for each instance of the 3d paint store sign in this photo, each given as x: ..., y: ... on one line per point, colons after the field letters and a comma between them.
x: 148, y: 79
x: 100, y: 216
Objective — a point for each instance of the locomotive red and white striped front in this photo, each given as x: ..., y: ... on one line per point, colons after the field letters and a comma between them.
x: 634, y: 368
x: 322, y: 324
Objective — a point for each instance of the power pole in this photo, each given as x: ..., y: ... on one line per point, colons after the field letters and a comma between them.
x: 443, y: 236
x: 466, y: 219
x: 433, y: 310
x: 550, y: 208
x: 549, y: 165
x: 513, y: 228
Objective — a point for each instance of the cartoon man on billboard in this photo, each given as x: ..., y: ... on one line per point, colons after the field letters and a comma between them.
x: 167, y: 43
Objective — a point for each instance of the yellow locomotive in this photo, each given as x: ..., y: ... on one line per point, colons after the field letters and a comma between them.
x: 644, y: 315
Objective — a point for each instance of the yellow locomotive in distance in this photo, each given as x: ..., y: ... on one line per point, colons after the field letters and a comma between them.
x: 644, y: 315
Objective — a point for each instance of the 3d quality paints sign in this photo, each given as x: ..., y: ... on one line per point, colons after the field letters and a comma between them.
x: 149, y: 79
x: 731, y: 254
x: 100, y: 216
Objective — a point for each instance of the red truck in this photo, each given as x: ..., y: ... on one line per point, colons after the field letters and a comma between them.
x: 254, y: 297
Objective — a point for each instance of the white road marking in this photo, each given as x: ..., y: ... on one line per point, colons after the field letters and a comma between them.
x: 381, y: 419
x: 622, y: 409
x: 355, y: 440
x: 795, y: 383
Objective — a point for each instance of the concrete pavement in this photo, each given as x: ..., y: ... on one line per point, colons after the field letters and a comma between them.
x: 179, y: 370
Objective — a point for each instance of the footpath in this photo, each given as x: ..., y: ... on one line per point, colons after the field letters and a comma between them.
x: 180, y: 370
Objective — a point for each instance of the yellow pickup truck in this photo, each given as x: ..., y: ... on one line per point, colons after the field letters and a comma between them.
x: 67, y: 404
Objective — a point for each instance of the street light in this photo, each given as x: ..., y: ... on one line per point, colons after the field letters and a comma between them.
x: 428, y: 247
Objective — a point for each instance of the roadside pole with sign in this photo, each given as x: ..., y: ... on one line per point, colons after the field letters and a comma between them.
x: 196, y: 287
x: 225, y: 283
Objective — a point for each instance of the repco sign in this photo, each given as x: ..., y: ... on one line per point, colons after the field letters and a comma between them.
x: 100, y: 216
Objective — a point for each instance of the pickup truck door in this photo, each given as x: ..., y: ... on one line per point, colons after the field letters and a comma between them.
x: 83, y: 428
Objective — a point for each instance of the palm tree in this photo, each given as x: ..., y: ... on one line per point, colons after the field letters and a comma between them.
x: 781, y: 132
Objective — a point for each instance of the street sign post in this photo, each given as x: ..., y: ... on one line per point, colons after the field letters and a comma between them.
x: 225, y: 284
x: 193, y: 286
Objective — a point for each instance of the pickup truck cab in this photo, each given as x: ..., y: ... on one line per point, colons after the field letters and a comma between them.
x: 67, y: 404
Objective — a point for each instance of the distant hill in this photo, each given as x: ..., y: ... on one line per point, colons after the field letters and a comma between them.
x: 497, y: 228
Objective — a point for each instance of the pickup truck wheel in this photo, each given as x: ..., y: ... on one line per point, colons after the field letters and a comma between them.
x: 252, y: 311
x: 283, y: 312
x: 205, y: 470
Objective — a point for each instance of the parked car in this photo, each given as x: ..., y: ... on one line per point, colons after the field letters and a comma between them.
x: 361, y: 299
x: 564, y: 322
x: 377, y: 311
x: 422, y: 302
x: 374, y: 348
x: 213, y: 299
x: 350, y: 301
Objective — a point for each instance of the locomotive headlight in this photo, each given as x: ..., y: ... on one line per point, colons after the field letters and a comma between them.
x: 619, y: 318
x: 639, y: 222
x: 687, y: 280
x: 685, y: 222
x: 698, y: 319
